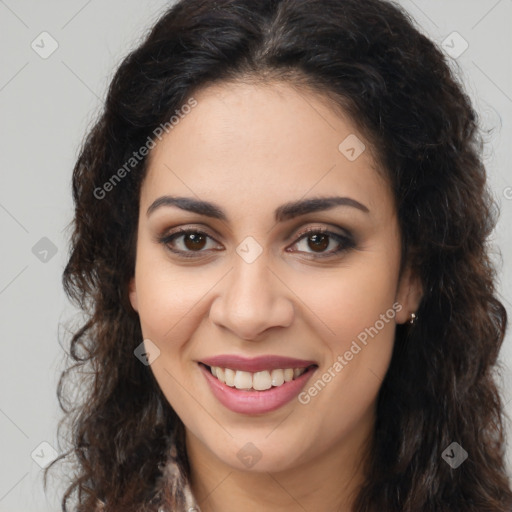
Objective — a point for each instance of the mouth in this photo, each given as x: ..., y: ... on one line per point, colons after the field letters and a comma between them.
x: 256, y: 381
x: 256, y: 392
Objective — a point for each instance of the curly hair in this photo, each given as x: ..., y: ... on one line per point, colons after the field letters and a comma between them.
x: 398, y: 88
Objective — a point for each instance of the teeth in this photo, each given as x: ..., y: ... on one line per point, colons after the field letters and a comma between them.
x: 243, y: 380
x: 288, y: 374
x: 229, y: 376
x: 259, y: 381
x: 277, y: 377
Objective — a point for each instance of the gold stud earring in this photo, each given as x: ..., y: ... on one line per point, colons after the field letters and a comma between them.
x: 412, y: 319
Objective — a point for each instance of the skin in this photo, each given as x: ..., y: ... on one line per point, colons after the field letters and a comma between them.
x: 250, y: 149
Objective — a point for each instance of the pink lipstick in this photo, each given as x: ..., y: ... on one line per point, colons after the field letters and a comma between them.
x: 256, y: 385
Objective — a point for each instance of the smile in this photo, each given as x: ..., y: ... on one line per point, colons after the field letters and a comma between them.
x: 255, y: 386
x: 258, y: 381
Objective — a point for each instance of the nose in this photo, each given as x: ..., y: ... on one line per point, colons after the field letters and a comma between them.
x: 252, y: 300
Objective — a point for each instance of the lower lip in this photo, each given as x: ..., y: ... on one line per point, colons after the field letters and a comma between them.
x: 255, y: 402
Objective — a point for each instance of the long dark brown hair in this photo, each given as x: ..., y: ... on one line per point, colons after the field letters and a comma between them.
x: 399, y: 89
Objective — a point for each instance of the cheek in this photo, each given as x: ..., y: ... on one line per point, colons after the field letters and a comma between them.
x: 170, y: 307
x: 346, y: 302
x: 357, y: 308
x: 169, y: 298
x: 342, y: 394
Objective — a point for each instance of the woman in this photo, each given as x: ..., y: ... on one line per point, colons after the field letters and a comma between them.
x: 280, y: 243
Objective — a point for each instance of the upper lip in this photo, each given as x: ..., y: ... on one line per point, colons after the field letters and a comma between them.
x: 256, y: 364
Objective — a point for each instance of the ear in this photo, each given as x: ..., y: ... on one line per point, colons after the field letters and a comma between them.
x: 133, y: 294
x: 409, y: 295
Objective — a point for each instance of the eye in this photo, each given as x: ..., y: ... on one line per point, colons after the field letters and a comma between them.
x: 186, y: 242
x: 189, y: 243
x: 320, y: 239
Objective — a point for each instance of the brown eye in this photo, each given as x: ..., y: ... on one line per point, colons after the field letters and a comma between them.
x: 319, y: 242
x: 194, y: 241
x: 316, y: 241
x: 188, y: 243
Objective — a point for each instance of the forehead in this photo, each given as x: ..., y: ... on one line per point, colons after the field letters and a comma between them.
x: 248, y: 145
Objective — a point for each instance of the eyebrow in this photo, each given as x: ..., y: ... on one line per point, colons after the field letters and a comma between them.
x: 283, y: 213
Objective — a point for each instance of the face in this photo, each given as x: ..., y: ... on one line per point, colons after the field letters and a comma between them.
x: 281, y: 267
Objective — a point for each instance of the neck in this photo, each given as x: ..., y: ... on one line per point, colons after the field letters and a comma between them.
x: 328, y: 482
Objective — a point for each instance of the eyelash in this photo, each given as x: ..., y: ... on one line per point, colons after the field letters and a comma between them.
x: 345, y: 242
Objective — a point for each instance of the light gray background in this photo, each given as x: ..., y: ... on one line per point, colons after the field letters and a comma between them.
x: 46, y: 106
